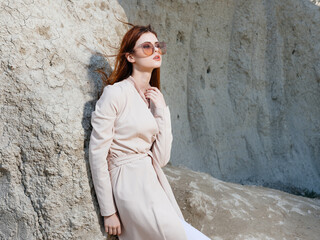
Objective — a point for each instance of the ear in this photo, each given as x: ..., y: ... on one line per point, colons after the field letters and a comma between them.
x: 130, y: 58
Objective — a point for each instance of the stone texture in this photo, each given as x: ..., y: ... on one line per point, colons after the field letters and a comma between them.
x: 242, y: 81
x: 232, y: 211
x: 48, y: 91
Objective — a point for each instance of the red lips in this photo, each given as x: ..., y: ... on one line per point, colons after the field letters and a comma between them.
x: 157, y: 57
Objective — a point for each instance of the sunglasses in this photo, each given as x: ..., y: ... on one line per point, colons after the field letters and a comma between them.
x: 148, y: 47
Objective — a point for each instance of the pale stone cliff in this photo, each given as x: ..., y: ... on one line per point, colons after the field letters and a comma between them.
x: 242, y: 82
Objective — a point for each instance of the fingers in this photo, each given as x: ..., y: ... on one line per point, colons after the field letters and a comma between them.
x: 152, y: 94
x: 112, y: 225
x: 113, y: 230
x: 109, y: 230
x: 154, y: 88
x: 156, y: 96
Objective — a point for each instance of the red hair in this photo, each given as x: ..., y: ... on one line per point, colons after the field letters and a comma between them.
x: 123, y: 68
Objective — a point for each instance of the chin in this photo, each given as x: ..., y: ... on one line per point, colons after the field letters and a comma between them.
x: 157, y: 65
x: 153, y: 66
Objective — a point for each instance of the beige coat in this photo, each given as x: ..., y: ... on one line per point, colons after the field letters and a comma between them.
x: 129, y: 145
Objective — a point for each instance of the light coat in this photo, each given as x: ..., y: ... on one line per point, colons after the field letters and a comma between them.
x: 129, y: 145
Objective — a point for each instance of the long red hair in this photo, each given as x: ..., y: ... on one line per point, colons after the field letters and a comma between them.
x: 123, y: 68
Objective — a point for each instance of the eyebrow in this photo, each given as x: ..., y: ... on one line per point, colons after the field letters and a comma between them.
x: 151, y: 42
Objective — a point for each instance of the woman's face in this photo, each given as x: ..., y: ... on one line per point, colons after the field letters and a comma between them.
x: 139, y: 59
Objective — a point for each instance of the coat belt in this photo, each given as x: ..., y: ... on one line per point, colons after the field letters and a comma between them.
x: 114, y: 162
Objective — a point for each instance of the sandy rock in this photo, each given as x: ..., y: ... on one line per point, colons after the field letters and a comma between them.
x: 228, y: 211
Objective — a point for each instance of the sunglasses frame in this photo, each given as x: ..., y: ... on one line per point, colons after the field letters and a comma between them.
x: 162, y: 49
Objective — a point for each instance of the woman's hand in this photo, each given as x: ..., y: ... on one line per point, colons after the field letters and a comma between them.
x: 156, y: 96
x: 112, y: 224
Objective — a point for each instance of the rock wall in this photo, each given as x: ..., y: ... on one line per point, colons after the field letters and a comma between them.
x: 243, y: 82
x: 241, y: 78
x: 48, y: 91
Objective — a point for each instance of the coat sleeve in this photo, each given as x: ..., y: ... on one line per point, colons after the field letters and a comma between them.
x: 102, y: 121
x: 161, y: 147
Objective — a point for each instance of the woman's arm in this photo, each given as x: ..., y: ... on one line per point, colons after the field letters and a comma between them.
x: 102, y: 122
x: 161, y: 148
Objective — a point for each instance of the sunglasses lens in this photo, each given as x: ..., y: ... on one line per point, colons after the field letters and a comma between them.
x: 147, y: 48
x: 162, y: 47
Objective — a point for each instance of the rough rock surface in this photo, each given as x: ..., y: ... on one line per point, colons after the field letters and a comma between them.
x: 243, y: 82
x: 229, y: 211
x: 48, y: 91
x: 241, y: 78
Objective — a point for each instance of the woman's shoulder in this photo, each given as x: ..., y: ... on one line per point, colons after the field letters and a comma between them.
x: 115, y: 94
x: 117, y: 87
x: 116, y: 90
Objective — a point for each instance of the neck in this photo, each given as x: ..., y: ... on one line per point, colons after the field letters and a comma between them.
x: 142, y: 79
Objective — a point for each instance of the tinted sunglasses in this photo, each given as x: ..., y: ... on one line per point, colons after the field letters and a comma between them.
x: 148, y: 47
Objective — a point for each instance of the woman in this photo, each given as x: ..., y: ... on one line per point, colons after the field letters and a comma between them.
x: 130, y: 142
